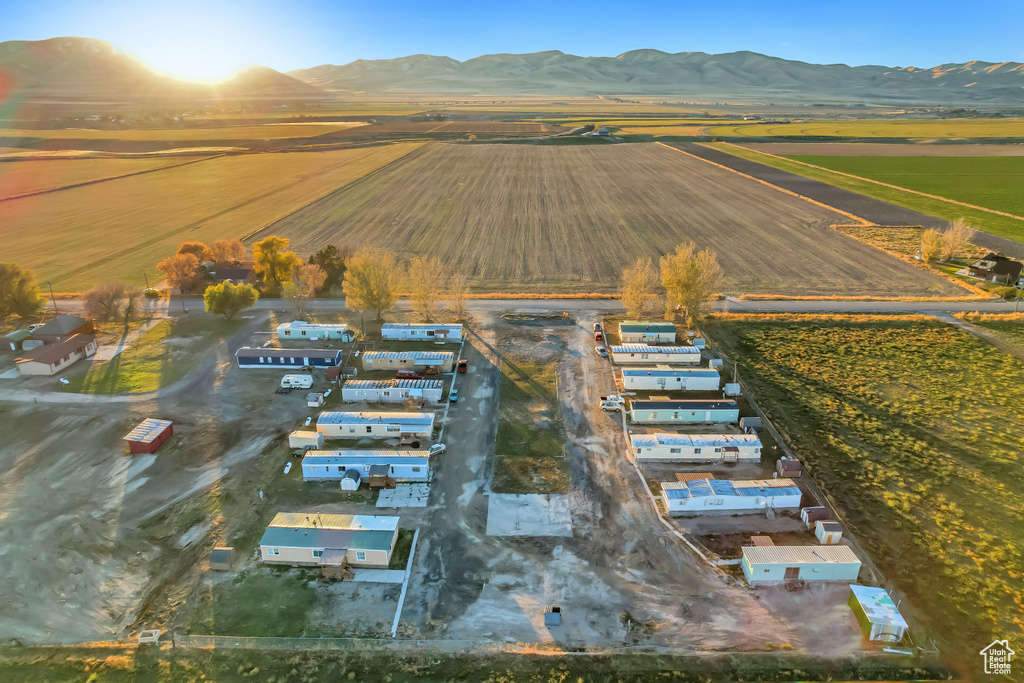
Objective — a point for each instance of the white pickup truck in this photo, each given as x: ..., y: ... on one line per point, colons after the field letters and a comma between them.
x: 613, y: 402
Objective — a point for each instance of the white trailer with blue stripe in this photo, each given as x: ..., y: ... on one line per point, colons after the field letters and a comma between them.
x: 724, y: 496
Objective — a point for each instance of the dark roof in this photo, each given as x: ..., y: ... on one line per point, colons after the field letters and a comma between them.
x: 62, y: 324
x: 692, y: 404
x: 232, y: 273
x: 830, y: 526
x: 246, y: 352
x: 1001, y: 265
x: 53, y: 352
x: 220, y: 555
x: 18, y: 335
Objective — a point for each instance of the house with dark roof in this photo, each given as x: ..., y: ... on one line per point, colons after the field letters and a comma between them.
x: 62, y: 327
x: 996, y: 268
x: 50, y: 359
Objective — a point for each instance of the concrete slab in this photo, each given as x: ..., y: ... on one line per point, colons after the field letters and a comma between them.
x: 378, y: 575
x: 404, y: 496
x: 528, y: 515
x: 10, y: 374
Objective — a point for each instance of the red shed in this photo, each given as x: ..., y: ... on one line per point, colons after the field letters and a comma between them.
x: 149, y: 435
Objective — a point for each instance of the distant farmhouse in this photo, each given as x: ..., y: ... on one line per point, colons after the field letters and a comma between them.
x: 996, y: 268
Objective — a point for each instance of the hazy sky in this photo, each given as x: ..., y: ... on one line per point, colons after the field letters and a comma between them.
x: 214, y: 38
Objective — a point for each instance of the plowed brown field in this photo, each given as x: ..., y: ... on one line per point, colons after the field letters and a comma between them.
x: 567, y: 218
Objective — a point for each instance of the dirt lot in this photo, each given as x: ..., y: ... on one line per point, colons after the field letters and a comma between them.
x: 876, y: 149
x: 557, y: 218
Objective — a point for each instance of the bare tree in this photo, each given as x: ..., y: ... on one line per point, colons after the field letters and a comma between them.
x: 424, y: 277
x: 638, y: 283
x: 690, y: 277
x: 180, y: 270
x: 105, y: 302
x: 132, y: 302
x: 955, y: 239
x: 371, y: 280
x: 309, y: 278
x: 458, y: 294
x: 932, y: 244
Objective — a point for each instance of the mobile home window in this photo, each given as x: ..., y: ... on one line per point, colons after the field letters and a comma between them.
x: 262, y: 359
x: 273, y: 551
x: 360, y: 555
x: 696, y: 451
x: 393, y: 428
x: 675, y: 450
x: 363, y: 393
x: 369, y: 429
x: 317, y: 554
x: 351, y: 429
x: 415, y: 469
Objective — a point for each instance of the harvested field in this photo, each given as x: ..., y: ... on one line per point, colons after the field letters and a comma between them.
x: 567, y: 218
x: 269, y: 131
x: 880, y: 149
x: 30, y: 176
x: 883, y: 128
x: 119, y: 229
x: 445, y: 128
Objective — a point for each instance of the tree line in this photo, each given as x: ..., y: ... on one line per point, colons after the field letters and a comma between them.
x: 690, y: 279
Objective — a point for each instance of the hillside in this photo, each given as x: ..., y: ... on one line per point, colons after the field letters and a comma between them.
x: 652, y: 72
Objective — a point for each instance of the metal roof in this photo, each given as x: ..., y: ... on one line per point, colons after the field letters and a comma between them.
x: 148, y: 430
x: 51, y: 353
x: 247, y: 352
x: 644, y: 348
x: 367, y: 418
x: 668, y: 372
x: 699, y: 440
x: 303, y: 325
x: 642, y: 326
x: 62, y: 324
x: 316, y: 520
x: 702, y: 488
x: 799, y: 554
x: 353, y: 458
x: 18, y: 335
x: 341, y: 539
x: 878, y: 606
x: 409, y: 355
x: 393, y: 384
x: 688, y: 404
x: 302, y: 434
x: 418, y: 326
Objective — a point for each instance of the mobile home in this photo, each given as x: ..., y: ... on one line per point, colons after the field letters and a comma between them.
x: 438, y: 361
x: 723, y: 496
x: 333, y: 542
x: 666, y: 378
x: 287, y: 359
x: 696, y: 447
x: 782, y: 563
x: 642, y: 353
x: 300, y: 329
x: 420, y: 332
x: 683, y: 412
x: 643, y: 332
x: 392, y: 390
x: 877, y: 614
x: 382, y: 425
x: 320, y: 465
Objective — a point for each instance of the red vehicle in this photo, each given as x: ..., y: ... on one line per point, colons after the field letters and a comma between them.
x: 598, y: 335
x: 463, y: 366
x: 407, y: 374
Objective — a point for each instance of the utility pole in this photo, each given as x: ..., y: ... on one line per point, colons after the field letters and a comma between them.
x: 52, y: 297
x: 147, y: 279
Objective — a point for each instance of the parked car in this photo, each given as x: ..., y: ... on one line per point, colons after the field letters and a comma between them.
x: 308, y: 420
x: 601, y: 351
x: 408, y: 374
x: 437, y: 449
x: 597, y: 327
x: 599, y: 336
x: 453, y: 395
x: 613, y: 402
x: 34, y: 326
x: 463, y: 366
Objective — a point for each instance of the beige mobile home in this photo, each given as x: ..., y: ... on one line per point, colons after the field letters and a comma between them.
x: 670, y: 447
x: 334, y: 542
x: 381, y: 425
x: 642, y: 353
x: 781, y: 563
x: 392, y: 390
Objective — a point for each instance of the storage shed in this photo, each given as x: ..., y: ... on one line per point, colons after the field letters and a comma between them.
x: 729, y: 497
x: 314, y: 399
x: 438, y: 361
x: 668, y: 447
x: 683, y: 412
x: 383, y: 425
x: 149, y: 435
x: 221, y: 559
x: 642, y: 353
x: 420, y: 332
x: 789, y: 467
x: 877, y: 614
x: 16, y: 338
x: 55, y: 357
x: 828, y: 532
x: 643, y: 332
x: 300, y: 329
x: 392, y: 390
x: 667, y: 378
x: 782, y: 563
x: 287, y: 359
x: 810, y: 515
x: 350, y: 480
x: 320, y: 465
x: 305, y: 440
x: 751, y: 425
x: 332, y: 542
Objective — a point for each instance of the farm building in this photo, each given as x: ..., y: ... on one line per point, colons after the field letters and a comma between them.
x: 392, y: 390
x: 420, y: 332
x: 332, y: 542
x: 352, y: 425
x: 54, y: 357
x: 642, y: 353
x: 286, y: 359
x: 781, y: 563
x: 149, y: 435
x: 332, y: 465
x: 660, y: 411
x: 722, y: 496
x: 61, y: 328
x: 877, y: 614
x: 439, y: 361
x: 996, y: 268
x: 642, y: 332
x: 16, y: 338
x: 664, y: 377
x: 300, y: 329
x: 696, y: 447
x: 306, y: 440
x: 828, y: 532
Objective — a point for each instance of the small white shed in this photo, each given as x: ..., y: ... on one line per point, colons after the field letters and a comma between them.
x: 828, y: 532
x: 350, y: 480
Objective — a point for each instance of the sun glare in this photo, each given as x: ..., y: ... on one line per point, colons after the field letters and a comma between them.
x: 194, y: 60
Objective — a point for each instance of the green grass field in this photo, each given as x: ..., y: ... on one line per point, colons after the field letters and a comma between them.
x: 913, y: 427
x: 881, y: 128
x: 982, y: 220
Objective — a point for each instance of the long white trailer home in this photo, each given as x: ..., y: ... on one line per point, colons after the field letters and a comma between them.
x: 696, y: 447
x: 642, y: 353
x: 643, y: 332
x: 332, y: 465
x: 728, y: 497
x: 666, y: 378
x: 386, y: 425
x: 392, y: 390
x: 781, y: 563
x: 408, y: 360
x: 300, y: 329
x: 420, y: 332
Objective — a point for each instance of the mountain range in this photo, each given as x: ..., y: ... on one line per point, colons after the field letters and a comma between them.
x: 88, y: 69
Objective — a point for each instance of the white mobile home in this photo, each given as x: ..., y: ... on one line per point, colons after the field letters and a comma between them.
x: 660, y: 411
x: 642, y: 353
x: 332, y: 465
x: 385, y: 425
x: 300, y: 329
x: 301, y: 439
x: 332, y: 542
x: 727, y: 497
x: 666, y: 378
x: 423, y: 332
x: 438, y: 361
x: 392, y: 390
x: 781, y: 563
x: 643, y: 332
x: 696, y: 447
